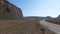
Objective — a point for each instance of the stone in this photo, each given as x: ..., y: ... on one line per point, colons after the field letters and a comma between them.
x: 9, y: 11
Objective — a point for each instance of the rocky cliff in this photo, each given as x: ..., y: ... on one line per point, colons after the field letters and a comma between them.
x: 9, y: 11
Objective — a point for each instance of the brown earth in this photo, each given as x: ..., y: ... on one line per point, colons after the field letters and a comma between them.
x: 23, y: 27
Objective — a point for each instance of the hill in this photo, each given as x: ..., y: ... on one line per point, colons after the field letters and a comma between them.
x: 55, y: 20
x: 37, y: 18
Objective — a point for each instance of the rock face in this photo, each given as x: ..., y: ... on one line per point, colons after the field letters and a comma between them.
x: 9, y: 11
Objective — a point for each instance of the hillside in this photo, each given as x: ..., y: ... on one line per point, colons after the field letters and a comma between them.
x: 23, y: 27
x: 54, y: 20
x: 37, y: 18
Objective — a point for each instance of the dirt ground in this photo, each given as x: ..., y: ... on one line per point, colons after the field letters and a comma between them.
x: 23, y: 27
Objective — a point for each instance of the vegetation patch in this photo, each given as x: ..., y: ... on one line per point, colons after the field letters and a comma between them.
x: 54, y: 20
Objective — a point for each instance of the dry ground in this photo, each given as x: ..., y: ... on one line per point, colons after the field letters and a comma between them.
x: 23, y: 27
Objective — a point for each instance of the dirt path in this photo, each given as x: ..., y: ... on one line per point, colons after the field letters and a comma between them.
x: 54, y: 27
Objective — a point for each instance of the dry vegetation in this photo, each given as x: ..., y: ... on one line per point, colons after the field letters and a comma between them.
x: 55, y: 21
x: 23, y: 27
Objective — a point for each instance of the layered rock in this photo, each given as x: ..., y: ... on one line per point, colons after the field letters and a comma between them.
x: 9, y: 11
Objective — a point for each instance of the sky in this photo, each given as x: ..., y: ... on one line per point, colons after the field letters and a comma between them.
x: 38, y: 7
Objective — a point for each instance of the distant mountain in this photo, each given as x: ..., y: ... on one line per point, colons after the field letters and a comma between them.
x: 58, y: 16
x: 37, y: 18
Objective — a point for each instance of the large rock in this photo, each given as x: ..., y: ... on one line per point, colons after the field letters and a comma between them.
x: 9, y: 11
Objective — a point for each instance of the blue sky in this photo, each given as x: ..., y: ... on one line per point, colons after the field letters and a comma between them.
x: 38, y: 7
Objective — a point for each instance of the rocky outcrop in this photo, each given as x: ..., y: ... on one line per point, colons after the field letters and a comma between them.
x: 9, y: 11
